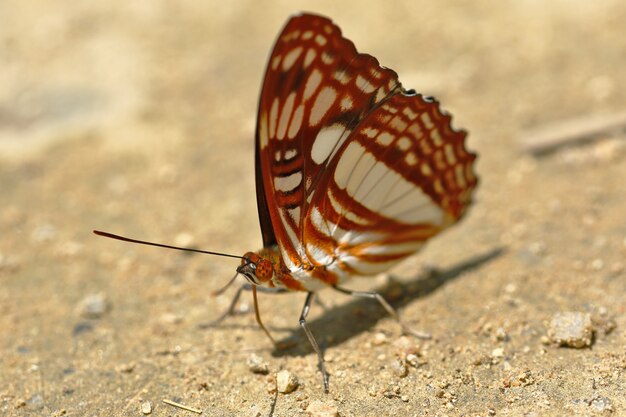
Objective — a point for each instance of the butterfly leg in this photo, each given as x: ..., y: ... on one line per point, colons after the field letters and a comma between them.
x: 392, y: 312
x: 231, y: 308
x: 257, y: 315
x: 309, y: 335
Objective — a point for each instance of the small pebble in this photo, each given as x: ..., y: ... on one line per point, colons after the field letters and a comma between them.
x: 399, y: 367
x: 501, y: 335
x: 319, y: 409
x: 286, y: 382
x: 36, y: 401
x: 497, y: 353
x: 412, y: 359
x: 257, y: 365
x: 93, y: 306
x: 379, y: 339
x: 600, y: 404
x: 126, y: 368
x: 254, y: 412
x: 146, y: 407
x: 510, y: 288
x: 571, y: 329
x: 184, y: 239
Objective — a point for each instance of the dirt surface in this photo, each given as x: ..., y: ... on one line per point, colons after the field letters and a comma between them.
x: 138, y: 118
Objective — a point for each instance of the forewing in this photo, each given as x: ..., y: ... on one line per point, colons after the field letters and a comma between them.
x: 402, y: 176
x: 317, y: 89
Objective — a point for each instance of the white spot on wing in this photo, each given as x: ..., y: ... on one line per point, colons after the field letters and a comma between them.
x: 273, y: 118
x: 295, y: 243
x: 353, y: 217
x: 370, y: 132
x: 318, y: 221
x: 325, y: 99
x: 276, y: 62
x: 309, y: 57
x: 427, y: 121
x: 263, y: 135
x: 415, y: 130
x: 364, y: 85
x: 325, y: 142
x: 342, y: 77
x: 346, y: 103
x: 436, y: 137
x: 385, y: 138
x: 389, y: 108
x: 327, y: 58
x: 403, y: 143
x: 450, y: 157
x: 410, y: 158
x: 320, y: 40
x: 295, y: 214
x: 460, y: 179
x: 312, y: 83
x: 285, y: 115
x: 286, y: 184
x: 296, y: 122
x: 291, y: 58
x: 398, y: 124
x: 290, y: 154
x: 381, y: 93
x: 334, y: 203
x: 409, y: 113
x: 426, y: 170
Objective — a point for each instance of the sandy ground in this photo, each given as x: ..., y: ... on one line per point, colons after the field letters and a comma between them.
x: 138, y: 118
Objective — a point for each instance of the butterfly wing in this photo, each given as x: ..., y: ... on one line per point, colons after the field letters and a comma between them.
x: 316, y: 90
x: 402, y: 176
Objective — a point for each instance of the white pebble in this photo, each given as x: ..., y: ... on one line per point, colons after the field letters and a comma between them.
x: 286, y: 382
x: 93, y: 306
x: 319, y: 409
x: 146, y: 407
x: 571, y: 329
x: 257, y: 365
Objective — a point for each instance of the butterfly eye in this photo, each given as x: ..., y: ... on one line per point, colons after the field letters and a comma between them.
x: 264, y: 270
x: 248, y: 257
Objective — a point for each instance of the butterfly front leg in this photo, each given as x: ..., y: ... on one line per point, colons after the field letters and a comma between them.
x: 231, y: 311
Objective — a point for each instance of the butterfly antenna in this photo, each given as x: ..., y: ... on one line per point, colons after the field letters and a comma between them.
x: 143, y: 242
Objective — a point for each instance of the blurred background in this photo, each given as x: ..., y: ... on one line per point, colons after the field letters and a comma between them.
x: 138, y: 118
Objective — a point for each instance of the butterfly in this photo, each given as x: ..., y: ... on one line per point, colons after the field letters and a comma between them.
x: 354, y: 173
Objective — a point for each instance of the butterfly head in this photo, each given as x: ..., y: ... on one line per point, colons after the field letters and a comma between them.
x: 256, y: 269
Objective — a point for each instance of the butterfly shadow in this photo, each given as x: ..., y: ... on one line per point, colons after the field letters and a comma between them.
x: 339, y: 324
